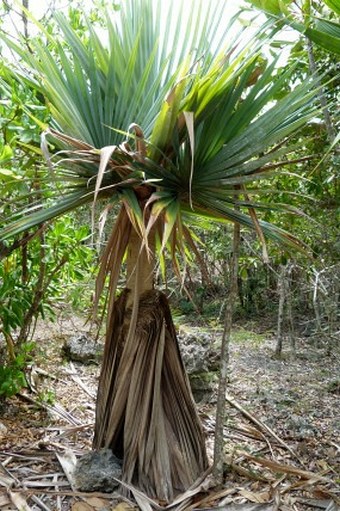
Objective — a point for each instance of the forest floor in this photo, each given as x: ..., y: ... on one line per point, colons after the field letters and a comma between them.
x: 282, y: 434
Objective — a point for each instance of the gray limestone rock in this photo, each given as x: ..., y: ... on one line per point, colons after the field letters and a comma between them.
x: 96, y: 471
x: 83, y: 349
x: 201, y: 360
x: 299, y: 427
x: 198, y: 352
x: 203, y: 385
x: 3, y: 429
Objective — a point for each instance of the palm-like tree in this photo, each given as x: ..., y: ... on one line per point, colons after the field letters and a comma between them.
x: 158, y: 121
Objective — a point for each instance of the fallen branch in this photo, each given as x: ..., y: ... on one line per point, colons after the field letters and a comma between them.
x: 213, y: 497
x: 249, y: 432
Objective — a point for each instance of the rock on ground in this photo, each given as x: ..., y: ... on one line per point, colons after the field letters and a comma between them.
x: 201, y: 359
x: 82, y: 348
x: 96, y: 471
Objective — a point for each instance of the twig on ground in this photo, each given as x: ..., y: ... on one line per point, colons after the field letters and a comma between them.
x: 249, y: 474
x: 40, y: 503
x: 72, y: 372
x: 56, y: 409
x: 68, y: 462
x: 320, y: 504
x: 259, y: 423
x: 286, y: 469
x: 19, y: 501
x: 58, y: 499
x: 69, y: 431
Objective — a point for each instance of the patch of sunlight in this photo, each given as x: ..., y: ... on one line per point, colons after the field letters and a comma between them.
x: 241, y: 335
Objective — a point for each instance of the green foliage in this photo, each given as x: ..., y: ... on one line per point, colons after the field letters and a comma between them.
x: 272, y: 6
x: 334, y: 5
x: 21, y: 117
x: 43, y: 273
x: 15, y: 297
x: 12, y: 374
x: 47, y: 396
x: 321, y: 30
x: 40, y: 272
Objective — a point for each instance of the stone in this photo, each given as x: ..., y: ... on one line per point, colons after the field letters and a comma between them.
x: 83, y: 349
x: 198, y: 352
x: 299, y: 427
x: 3, y: 429
x: 96, y: 471
x: 201, y: 360
x: 203, y: 385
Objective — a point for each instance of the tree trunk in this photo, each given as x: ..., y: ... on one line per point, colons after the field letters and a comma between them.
x: 145, y: 410
x: 140, y: 266
x: 282, y: 297
x: 316, y: 303
x: 290, y: 318
x: 222, y: 387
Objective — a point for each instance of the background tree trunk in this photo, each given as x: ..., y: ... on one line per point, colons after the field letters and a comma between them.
x: 280, y: 317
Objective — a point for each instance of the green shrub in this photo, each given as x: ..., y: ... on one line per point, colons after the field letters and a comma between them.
x: 12, y: 374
